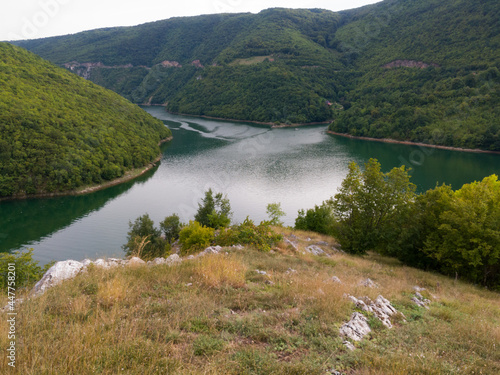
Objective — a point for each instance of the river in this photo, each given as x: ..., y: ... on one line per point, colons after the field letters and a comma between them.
x: 253, y: 165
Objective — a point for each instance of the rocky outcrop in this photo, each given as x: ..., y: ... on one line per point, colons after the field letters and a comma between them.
x: 170, y: 64
x: 409, y: 64
x: 60, y: 271
x: 381, y: 308
x: 197, y: 63
x: 356, y: 328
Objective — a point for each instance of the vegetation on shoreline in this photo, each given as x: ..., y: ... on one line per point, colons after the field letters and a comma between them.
x: 59, y: 132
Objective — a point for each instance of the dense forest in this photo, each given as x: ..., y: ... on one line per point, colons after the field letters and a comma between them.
x: 419, y: 70
x: 59, y: 132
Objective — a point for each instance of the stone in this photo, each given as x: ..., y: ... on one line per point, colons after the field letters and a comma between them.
x: 135, y: 262
x: 173, y: 259
x: 335, y: 279
x: 60, y: 271
x: 356, y: 328
x: 381, y: 308
x: 420, y: 300
x: 291, y: 270
x: 322, y: 243
x: 212, y: 250
x: 292, y: 244
x: 238, y: 247
x: 87, y: 262
x: 315, y: 250
x: 349, y: 345
x: 369, y: 283
x: 261, y: 272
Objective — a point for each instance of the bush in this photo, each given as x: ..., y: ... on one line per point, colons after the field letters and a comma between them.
x: 27, y: 271
x: 260, y: 236
x: 318, y: 219
x: 194, y: 237
x: 144, y: 240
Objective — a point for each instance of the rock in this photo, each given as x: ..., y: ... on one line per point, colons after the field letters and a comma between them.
x: 291, y: 270
x: 369, y: 283
x: 316, y: 250
x: 58, y: 272
x: 190, y: 257
x: 322, y: 243
x: 212, y: 250
x: 335, y: 372
x: 87, y: 262
x: 293, y: 236
x: 173, y: 259
x: 238, y: 247
x: 416, y: 288
x: 349, y: 345
x: 381, y: 308
x: 356, y: 328
x: 135, y: 262
x: 292, y: 244
x: 101, y: 263
x: 420, y: 300
x: 335, y: 279
x: 261, y: 272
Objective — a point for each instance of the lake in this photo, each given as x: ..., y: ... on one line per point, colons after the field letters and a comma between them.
x: 252, y: 164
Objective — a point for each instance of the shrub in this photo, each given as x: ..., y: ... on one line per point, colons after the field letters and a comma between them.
x: 144, y: 240
x: 195, y: 236
x: 318, y: 219
x: 260, y: 236
x: 27, y: 271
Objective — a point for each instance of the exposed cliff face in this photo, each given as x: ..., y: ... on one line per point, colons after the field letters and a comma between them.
x: 170, y: 64
x: 409, y: 64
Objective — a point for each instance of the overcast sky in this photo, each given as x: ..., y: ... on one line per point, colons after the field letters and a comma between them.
x: 30, y: 19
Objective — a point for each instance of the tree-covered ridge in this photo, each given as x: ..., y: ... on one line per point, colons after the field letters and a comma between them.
x: 59, y: 132
x: 310, y: 65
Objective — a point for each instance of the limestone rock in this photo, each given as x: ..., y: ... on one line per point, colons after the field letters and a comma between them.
x: 335, y: 279
x: 58, y: 272
x: 173, y: 259
x: 212, y: 250
x: 420, y: 300
x: 381, y: 308
x: 369, y: 283
x: 293, y: 244
x: 356, y: 328
x: 135, y: 262
x: 315, y: 250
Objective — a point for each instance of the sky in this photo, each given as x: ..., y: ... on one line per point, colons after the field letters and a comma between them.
x: 31, y: 19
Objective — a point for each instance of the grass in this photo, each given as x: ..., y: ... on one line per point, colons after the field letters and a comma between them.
x: 217, y: 315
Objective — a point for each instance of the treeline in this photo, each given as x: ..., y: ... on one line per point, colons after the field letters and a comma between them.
x: 59, y: 132
x: 453, y: 232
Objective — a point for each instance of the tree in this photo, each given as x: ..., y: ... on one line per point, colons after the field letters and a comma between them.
x: 467, y: 239
x: 171, y: 227
x: 144, y: 240
x: 214, y: 211
x: 318, y: 219
x: 370, y: 206
x: 275, y: 213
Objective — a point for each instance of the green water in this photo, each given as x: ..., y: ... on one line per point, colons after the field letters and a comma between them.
x: 253, y: 165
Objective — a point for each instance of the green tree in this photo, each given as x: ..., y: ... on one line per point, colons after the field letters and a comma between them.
x: 171, y: 227
x: 26, y: 270
x: 195, y: 237
x: 370, y: 206
x: 467, y: 239
x: 144, y: 240
x: 275, y: 213
x: 214, y: 211
x: 318, y: 219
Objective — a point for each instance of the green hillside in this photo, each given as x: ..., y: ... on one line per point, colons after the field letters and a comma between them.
x: 419, y: 70
x: 59, y: 132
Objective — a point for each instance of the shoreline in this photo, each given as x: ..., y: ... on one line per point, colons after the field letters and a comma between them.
x: 128, y: 176
x: 419, y: 144
x: 270, y: 124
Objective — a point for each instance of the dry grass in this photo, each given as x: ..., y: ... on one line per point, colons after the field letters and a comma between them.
x: 219, y: 315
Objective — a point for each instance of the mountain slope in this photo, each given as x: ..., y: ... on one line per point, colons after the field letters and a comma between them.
x: 419, y: 70
x: 59, y: 132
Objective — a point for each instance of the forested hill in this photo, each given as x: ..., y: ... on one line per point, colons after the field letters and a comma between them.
x: 419, y: 70
x: 59, y: 132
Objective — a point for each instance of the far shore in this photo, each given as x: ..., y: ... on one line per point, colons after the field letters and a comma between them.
x: 270, y: 124
x: 419, y: 144
x: 128, y: 176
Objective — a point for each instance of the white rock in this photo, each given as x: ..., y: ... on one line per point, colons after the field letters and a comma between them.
x: 87, y: 262
x: 356, y: 328
x: 172, y: 259
x: 292, y: 244
x: 381, y: 308
x: 316, y: 250
x: 58, y: 272
x: 335, y: 279
x: 212, y: 250
x: 369, y: 283
x: 135, y: 262
x: 349, y: 345
x: 101, y: 263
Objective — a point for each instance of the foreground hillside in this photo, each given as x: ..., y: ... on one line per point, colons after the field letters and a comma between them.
x: 243, y: 311
x: 419, y: 70
x: 59, y: 132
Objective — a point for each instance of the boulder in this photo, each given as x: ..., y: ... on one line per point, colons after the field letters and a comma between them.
x: 369, y: 283
x: 356, y: 328
x: 381, y: 308
x: 173, y: 259
x: 135, y: 262
x: 212, y: 250
x: 58, y: 272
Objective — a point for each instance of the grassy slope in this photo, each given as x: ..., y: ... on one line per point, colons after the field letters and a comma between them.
x: 59, y: 132
x: 217, y: 315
